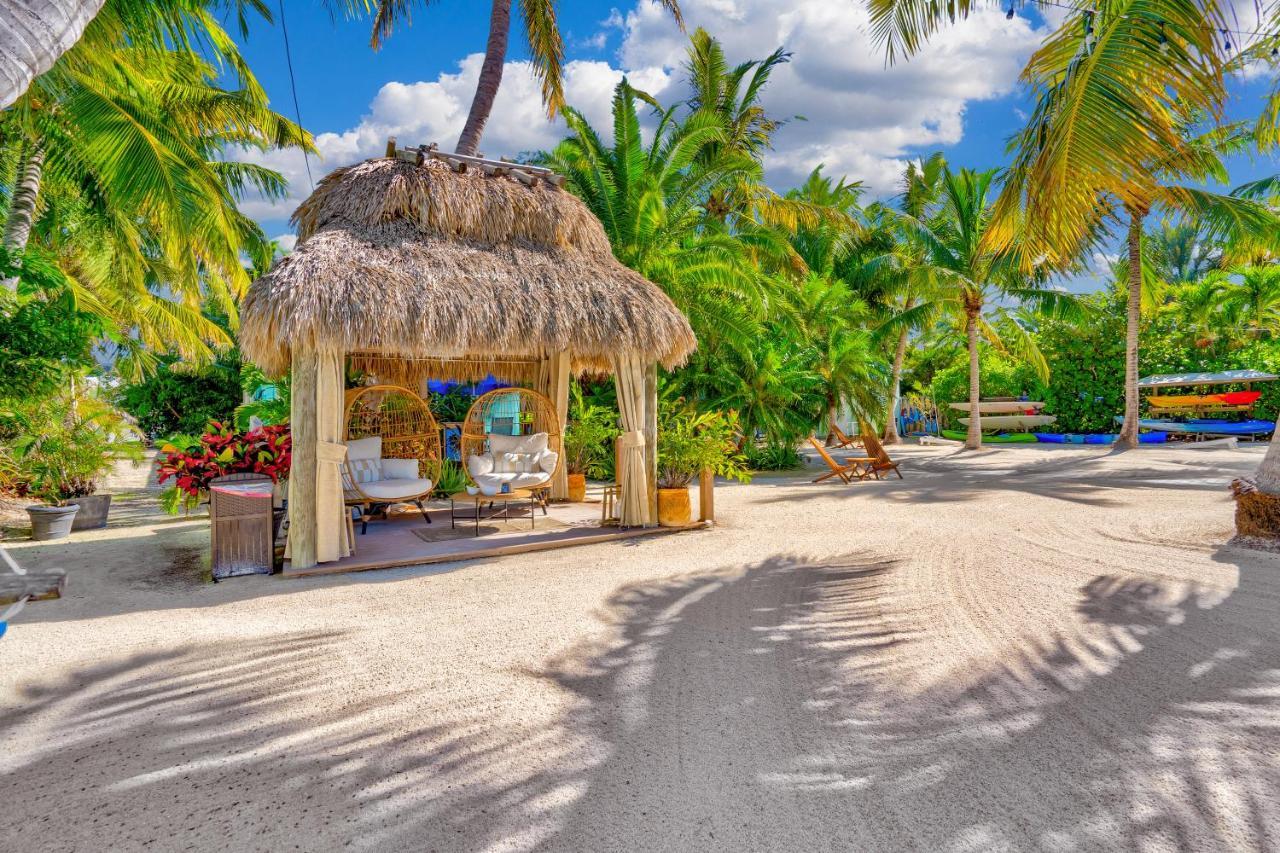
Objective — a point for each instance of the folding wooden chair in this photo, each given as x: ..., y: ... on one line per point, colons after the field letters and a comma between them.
x: 842, y: 439
x: 853, y: 468
x: 880, y: 460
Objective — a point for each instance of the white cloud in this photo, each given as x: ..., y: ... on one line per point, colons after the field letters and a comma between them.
x: 286, y: 242
x: 862, y: 118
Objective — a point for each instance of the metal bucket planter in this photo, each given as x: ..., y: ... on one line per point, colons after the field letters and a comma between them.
x: 93, y: 512
x: 51, y: 522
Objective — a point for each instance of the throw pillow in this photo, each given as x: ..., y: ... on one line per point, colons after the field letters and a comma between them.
x: 361, y: 471
x: 479, y: 465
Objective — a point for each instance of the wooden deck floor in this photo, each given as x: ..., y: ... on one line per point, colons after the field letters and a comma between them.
x: 393, y: 543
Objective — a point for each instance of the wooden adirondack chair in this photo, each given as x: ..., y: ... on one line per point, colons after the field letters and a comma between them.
x: 852, y: 468
x: 841, y: 437
x: 880, y: 461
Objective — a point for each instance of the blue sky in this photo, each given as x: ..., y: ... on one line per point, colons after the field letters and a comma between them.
x: 863, y: 119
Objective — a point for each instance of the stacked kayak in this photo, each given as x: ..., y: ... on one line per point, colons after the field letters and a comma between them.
x: 1206, y: 426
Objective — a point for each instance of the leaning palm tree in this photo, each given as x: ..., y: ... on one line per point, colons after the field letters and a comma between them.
x: 33, y: 34
x: 121, y: 175
x: 546, y: 49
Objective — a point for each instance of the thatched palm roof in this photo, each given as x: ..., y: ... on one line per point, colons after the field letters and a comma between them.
x: 419, y: 261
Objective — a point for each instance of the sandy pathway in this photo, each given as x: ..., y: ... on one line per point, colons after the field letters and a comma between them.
x: 1029, y: 649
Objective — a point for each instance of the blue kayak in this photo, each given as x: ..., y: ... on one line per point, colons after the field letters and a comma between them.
x: 1097, y: 438
x: 1207, y: 426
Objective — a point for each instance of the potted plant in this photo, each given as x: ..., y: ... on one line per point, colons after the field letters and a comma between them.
x: 588, y: 442
x: 63, y: 445
x: 690, y: 442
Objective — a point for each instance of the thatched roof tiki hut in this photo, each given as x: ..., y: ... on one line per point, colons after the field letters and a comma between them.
x: 420, y: 265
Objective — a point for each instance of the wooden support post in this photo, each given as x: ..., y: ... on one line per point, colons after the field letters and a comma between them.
x: 706, y: 495
x: 651, y: 437
x: 302, y: 471
x: 559, y: 394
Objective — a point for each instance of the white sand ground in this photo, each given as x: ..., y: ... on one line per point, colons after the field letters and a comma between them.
x: 1026, y: 649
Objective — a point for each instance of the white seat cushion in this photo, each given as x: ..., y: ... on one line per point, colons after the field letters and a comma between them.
x: 491, y: 484
x: 392, y: 490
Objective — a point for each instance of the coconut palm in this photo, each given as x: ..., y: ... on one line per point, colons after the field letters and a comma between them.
x: 968, y: 277
x: 33, y: 34
x: 1250, y: 299
x: 897, y: 279
x: 546, y: 49
x: 120, y: 172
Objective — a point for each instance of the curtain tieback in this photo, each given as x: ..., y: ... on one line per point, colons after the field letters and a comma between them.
x: 331, y: 452
x: 631, y: 439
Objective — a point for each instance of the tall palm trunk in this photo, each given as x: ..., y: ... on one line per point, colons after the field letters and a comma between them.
x: 895, y: 386
x: 1129, y: 431
x: 22, y: 209
x: 973, y: 440
x: 495, y: 55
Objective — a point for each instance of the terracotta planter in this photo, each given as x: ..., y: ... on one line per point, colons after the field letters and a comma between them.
x: 673, y: 507
x: 93, y: 512
x: 577, y: 488
x: 51, y: 522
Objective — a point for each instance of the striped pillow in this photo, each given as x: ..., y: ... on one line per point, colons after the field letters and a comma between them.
x: 361, y: 471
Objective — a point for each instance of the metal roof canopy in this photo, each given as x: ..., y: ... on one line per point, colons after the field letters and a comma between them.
x: 1225, y: 377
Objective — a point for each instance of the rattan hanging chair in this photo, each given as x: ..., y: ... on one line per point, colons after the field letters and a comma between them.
x: 407, y: 430
x: 514, y: 413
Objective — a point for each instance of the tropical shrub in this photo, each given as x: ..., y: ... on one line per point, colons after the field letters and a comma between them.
x: 772, y: 456
x: 42, y: 333
x: 182, y: 400
x: 269, y: 399
x: 1001, y: 377
x: 690, y: 441
x: 588, y: 437
x: 193, y: 462
x: 60, y: 445
x: 452, y: 405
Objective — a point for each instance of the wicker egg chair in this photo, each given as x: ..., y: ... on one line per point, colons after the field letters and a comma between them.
x: 515, y: 412
x: 406, y: 429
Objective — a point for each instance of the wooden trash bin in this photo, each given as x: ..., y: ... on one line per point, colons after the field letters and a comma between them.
x: 240, y: 525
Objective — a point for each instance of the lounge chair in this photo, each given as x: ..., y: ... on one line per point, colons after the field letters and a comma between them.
x: 842, y: 438
x: 880, y: 461
x: 852, y: 468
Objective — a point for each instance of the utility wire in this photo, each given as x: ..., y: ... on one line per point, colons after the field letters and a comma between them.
x: 293, y: 87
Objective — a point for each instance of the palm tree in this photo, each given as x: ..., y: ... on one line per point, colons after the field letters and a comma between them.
x: 899, y: 278
x: 33, y: 34
x: 546, y: 49
x: 968, y: 276
x: 1250, y: 299
x: 650, y: 199
x: 120, y: 172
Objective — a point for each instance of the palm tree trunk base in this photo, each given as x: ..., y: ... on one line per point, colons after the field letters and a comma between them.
x: 1257, y: 515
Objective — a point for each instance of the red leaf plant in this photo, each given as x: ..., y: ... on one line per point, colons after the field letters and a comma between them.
x: 192, y: 464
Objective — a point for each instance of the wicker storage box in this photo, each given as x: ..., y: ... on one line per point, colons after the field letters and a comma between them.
x: 240, y: 525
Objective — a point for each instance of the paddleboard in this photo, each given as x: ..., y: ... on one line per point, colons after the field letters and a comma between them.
x: 1007, y: 438
x: 991, y: 407
x: 1022, y: 423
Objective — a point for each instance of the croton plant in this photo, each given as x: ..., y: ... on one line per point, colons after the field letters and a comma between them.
x: 192, y: 463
